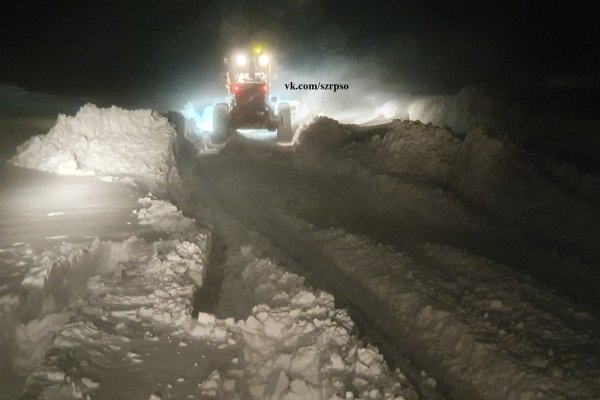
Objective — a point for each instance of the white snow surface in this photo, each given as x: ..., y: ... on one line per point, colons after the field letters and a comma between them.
x: 294, y: 344
x: 297, y: 345
x: 94, y: 317
x: 109, y: 141
x: 128, y: 284
x: 473, y: 106
x: 484, y: 170
x: 99, y: 315
x: 471, y: 319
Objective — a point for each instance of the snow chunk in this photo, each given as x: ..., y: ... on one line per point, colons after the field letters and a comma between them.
x: 306, y: 363
x: 277, y: 385
x: 163, y: 216
x: 90, y: 383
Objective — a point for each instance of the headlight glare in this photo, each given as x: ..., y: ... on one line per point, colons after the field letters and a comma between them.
x: 241, y: 60
x: 263, y: 60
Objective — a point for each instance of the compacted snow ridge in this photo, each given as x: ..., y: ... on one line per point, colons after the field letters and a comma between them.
x: 473, y: 106
x: 483, y: 171
x: 481, y: 329
x: 541, y: 119
x: 109, y: 141
x: 472, y: 319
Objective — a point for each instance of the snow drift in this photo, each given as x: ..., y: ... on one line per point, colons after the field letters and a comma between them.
x: 443, y: 195
x: 549, y: 121
x: 550, y: 203
x: 109, y: 141
x: 484, y: 169
x: 471, y: 107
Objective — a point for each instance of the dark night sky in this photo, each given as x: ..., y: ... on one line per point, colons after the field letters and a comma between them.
x: 126, y: 49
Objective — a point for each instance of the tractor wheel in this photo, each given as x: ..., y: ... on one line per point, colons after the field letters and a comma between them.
x: 284, y: 128
x: 220, y: 123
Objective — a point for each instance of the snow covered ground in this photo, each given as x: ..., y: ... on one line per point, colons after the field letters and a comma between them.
x: 411, y: 228
x: 140, y: 289
x: 548, y: 223
x: 103, y: 307
x: 485, y: 172
x: 382, y: 262
x: 51, y: 227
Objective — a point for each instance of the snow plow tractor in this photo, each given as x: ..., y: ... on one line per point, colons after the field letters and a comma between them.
x: 248, y: 79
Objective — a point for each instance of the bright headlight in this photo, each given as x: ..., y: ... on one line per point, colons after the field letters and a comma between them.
x: 263, y: 60
x: 241, y: 60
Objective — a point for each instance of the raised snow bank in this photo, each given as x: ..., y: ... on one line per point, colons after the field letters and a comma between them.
x: 109, y: 141
x: 491, y: 173
x: 474, y: 329
x: 552, y: 122
x: 454, y: 181
x: 471, y: 107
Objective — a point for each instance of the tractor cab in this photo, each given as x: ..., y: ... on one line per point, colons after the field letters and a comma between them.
x: 247, y: 79
x: 250, y: 90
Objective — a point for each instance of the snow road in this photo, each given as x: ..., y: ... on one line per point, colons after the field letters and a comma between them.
x: 389, y: 262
